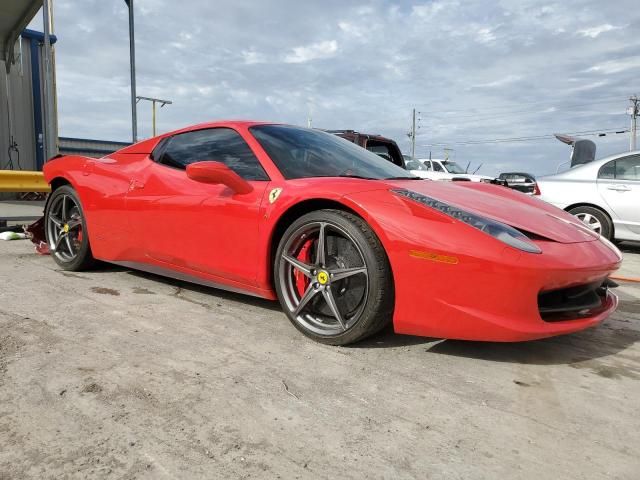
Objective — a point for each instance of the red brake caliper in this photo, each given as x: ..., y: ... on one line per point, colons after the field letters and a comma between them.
x: 302, y: 282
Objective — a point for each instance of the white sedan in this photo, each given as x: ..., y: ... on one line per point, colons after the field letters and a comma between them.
x: 604, y: 194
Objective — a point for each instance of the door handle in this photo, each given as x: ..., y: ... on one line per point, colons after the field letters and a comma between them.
x: 135, y: 185
x: 619, y: 188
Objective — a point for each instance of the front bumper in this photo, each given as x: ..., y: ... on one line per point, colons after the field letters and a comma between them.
x: 454, y: 281
x: 497, y: 300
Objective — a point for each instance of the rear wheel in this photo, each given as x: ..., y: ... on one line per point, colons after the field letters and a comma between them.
x: 332, y: 277
x: 66, y: 230
x: 595, y: 219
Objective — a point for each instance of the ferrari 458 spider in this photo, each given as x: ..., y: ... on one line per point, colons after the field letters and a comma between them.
x: 346, y: 241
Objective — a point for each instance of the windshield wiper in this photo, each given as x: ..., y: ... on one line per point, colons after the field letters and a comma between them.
x: 355, y: 176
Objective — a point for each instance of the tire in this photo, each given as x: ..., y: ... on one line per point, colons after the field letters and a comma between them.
x: 353, y: 278
x: 595, y: 219
x: 66, y: 230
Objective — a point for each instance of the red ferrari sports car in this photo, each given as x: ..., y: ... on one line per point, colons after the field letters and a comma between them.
x: 346, y: 241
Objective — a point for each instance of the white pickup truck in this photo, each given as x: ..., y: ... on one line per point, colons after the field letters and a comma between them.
x: 437, y: 169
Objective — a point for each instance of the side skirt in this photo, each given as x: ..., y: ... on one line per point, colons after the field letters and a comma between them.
x: 167, y: 272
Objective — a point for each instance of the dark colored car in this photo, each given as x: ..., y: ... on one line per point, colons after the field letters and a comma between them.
x: 381, y: 146
x: 522, y: 182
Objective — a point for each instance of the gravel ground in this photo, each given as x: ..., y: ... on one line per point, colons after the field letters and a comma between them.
x: 118, y: 374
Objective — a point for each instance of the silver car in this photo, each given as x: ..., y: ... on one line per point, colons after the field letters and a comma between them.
x: 604, y: 194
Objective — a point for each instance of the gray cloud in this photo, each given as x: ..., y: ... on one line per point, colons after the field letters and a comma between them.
x: 475, y: 70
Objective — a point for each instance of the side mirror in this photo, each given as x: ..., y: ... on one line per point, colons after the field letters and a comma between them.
x: 218, y: 173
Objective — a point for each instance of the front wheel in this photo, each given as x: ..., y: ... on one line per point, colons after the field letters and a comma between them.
x: 333, y: 278
x: 66, y: 230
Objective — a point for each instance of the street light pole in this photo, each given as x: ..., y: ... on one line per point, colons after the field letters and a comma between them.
x: 132, y: 63
x: 153, y: 108
x: 50, y: 136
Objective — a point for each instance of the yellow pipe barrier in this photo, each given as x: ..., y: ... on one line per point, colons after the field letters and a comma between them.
x: 23, y: 181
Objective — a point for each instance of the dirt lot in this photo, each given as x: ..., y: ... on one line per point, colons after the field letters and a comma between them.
x: 119, y: 374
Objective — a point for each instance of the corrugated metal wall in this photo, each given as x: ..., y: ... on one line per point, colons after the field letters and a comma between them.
x: 87, y: 147
x: 20, y: 104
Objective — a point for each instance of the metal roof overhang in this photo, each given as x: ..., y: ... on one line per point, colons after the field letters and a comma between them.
x: 15, y: 15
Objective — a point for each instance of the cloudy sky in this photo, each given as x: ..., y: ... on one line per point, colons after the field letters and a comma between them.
x: 476, y: 71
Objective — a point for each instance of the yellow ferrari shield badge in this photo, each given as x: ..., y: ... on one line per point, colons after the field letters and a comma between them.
x: 323, y: 278
x: 274, y: 194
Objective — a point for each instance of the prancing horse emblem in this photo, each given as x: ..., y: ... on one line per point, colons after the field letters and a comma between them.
x: 274, y: 194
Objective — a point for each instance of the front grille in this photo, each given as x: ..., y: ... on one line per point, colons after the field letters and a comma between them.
x: 574, y: 302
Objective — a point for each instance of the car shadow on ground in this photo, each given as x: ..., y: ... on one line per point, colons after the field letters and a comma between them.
x: 212, y: 292
x: 578, y: 347
x: 387, y: 338
x: 629, y: 247
x: 568, y: 349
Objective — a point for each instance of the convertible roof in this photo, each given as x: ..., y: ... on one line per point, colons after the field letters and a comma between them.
x: 147, y: 146
x: 218, y: 123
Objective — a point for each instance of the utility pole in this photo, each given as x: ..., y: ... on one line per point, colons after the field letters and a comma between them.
x: 413, y: 135
x: 132, y: 66
x: 633, y: 110
x: 153, y: 108
x: 50, y: 139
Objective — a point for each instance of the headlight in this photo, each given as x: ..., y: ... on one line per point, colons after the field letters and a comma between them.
x: 500, y: 231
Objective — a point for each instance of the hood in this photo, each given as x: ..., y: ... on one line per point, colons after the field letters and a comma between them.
x: 507, y: 206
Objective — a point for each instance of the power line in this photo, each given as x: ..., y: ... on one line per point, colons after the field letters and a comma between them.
x: 526, y: 139
x: 504, y: 118
x: 527, y: 111
x: 518, y: 105
x: 480, y: 130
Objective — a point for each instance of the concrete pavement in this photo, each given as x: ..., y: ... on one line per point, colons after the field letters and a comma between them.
x: 117, y: 374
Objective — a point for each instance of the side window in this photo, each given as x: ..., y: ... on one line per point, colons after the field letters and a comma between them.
x: 159, y: 148
x: 628, y: 168
x: 386, y: 150
x: 380, y: 150
x: 428, y: 165
x: 437, y: 167
x: 608, y: 170
x: 217, y: 144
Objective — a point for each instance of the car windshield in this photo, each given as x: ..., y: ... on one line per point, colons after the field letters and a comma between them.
x: 453, y: 167
x: 303, y: 153
x: 415, y: 165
